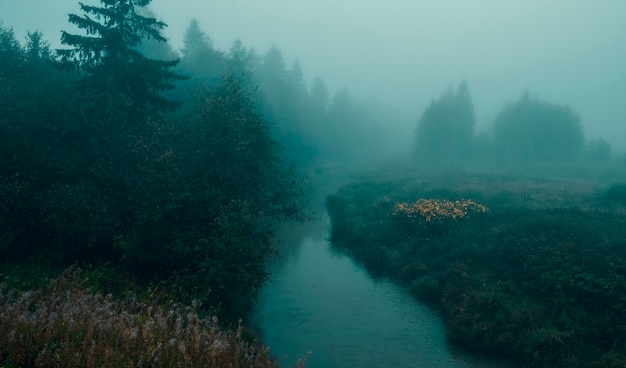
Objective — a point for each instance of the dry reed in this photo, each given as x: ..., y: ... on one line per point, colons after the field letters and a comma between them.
x: 66, y: 324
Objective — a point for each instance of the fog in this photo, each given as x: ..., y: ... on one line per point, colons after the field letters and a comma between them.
x: 405, y: 53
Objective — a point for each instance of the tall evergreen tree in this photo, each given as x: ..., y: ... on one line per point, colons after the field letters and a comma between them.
x: 108, y: 54
x: 319, y: 100
x: 320, y: 97
x: 200, y: 58
x: 242, y: 63
x: 275, y: 85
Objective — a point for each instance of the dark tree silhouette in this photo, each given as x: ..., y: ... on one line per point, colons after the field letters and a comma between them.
x: 537, y: 131
x: 108, y: 54
x: 242, y: 63
x: 200, y: 59
x: 446, y: 129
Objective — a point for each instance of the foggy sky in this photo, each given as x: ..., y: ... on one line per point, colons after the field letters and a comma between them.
x: 406, y: 52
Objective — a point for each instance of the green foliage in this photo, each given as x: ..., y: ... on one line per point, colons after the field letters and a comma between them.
x: 207, y: 221
x: 446, y: 128
x: 537, y: 131
x: 11, y: 53
x: 108, y: 54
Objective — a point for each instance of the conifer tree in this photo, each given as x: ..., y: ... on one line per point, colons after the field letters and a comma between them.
x: 242, y: 63
x: 108, y: 55
x: 200, y: 57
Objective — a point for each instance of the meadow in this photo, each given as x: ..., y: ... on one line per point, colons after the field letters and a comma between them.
x: 526, y: 264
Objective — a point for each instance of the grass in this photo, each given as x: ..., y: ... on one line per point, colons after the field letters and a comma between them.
x: 529, y: 268
x: 64, y: 322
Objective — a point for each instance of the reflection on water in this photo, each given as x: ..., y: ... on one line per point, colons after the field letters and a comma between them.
x: 325, y: 304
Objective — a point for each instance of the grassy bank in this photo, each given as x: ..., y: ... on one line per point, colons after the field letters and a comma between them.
x: 70, y: 320
x: 529, y: 268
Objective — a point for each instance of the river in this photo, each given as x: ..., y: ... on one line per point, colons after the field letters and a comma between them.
x: 322, y: 303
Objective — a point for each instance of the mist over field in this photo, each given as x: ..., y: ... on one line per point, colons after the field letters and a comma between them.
x: 405, y: 53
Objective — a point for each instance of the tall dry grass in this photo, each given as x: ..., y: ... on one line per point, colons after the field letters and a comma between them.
x: 65, y: 324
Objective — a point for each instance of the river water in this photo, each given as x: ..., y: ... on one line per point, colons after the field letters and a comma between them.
x: 323, y: 304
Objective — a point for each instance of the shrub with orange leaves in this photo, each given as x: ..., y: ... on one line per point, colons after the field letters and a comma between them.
x: 437, y: 210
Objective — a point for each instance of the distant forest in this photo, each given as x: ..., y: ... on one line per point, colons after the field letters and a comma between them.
x: 528, y: 131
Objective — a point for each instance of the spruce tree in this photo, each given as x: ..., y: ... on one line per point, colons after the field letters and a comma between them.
x: 201, y: 60
x: 108, y: 55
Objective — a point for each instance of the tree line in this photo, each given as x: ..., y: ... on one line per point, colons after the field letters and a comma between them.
x: 530, y: 130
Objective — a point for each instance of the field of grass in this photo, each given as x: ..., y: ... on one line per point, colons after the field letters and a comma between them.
x: 67, y: 321
x: 531, y: 267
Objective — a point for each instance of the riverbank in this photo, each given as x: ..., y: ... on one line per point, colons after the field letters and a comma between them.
x: 531, y: 269
x: 96, y: 318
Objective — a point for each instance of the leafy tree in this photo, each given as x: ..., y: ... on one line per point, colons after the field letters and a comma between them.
x: 207, y: 220
x: 37, y: 48
x: 537, y: 131
x: 446, y: 129
x: 108, y: 54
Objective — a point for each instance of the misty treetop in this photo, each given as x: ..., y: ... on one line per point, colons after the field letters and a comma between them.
x: 530, y: 131
x: 306, y: 119
x: 534, y: 130
x: 108, y: 54
x: 446, y: 128
x: 200, y: 59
